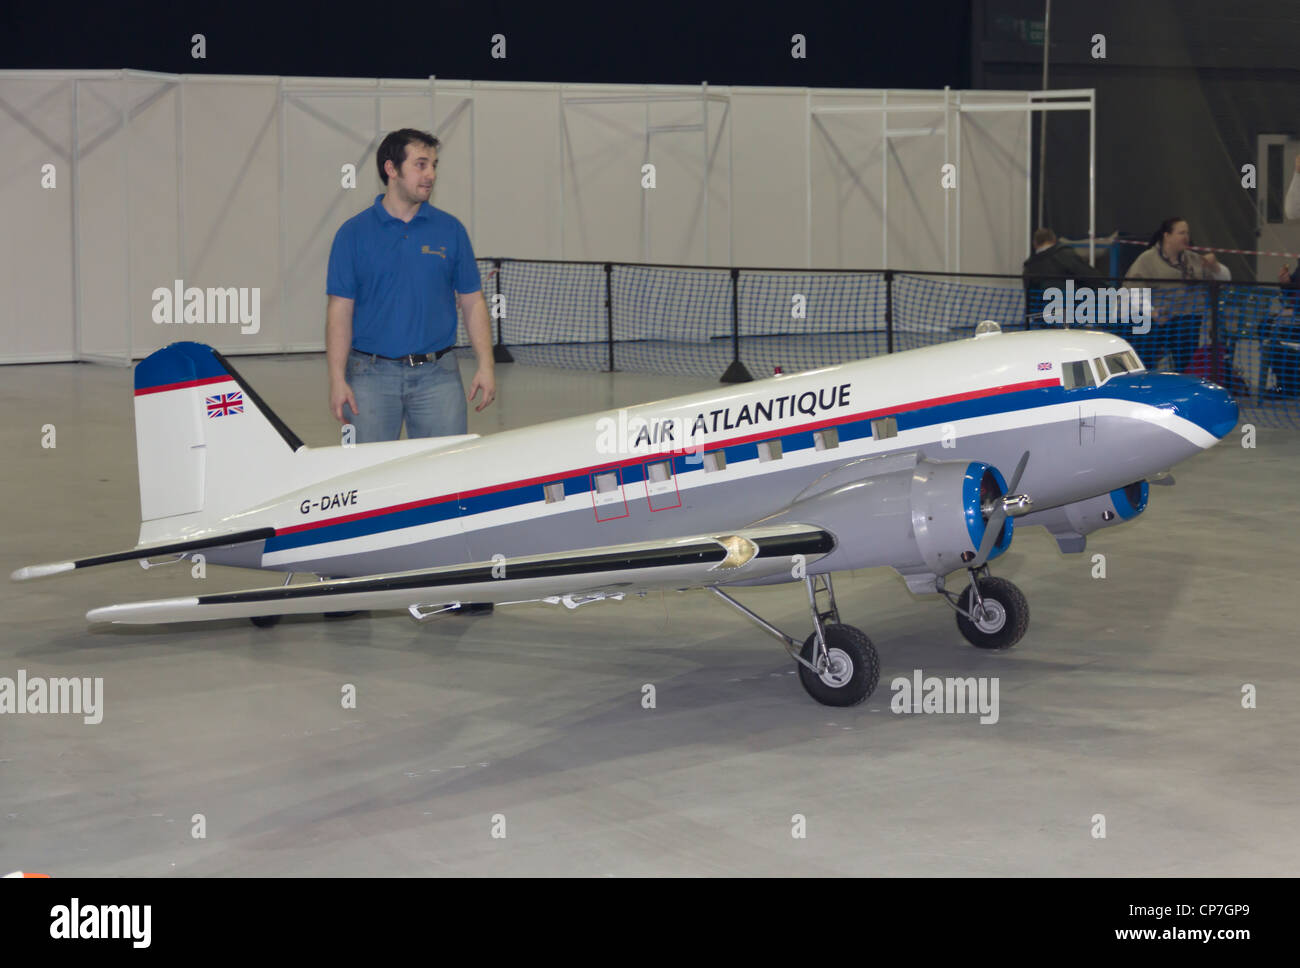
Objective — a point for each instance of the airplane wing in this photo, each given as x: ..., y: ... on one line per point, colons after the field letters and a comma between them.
x: 212, y: 539
x: 570, y: 577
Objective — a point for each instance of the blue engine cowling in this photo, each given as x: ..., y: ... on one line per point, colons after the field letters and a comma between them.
x: 1070, y: 524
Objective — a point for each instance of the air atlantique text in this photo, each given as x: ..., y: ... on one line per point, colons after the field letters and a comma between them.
x: 639, y: 433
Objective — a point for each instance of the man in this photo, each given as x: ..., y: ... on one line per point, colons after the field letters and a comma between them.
x: 1051, y: 265
x: 397, y: 272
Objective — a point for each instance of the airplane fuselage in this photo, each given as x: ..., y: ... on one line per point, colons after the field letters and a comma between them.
x: 725, y: 458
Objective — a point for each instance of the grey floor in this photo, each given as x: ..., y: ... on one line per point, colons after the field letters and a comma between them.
x: 1123, y: 700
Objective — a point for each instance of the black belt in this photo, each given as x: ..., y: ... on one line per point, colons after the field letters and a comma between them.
x: 410, y: 359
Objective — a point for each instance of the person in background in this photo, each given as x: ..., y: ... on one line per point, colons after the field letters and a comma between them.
x: 1052, y: 265
x: 1177, y: 318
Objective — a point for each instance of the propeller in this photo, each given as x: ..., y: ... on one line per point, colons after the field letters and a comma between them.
x: 1010, y: 503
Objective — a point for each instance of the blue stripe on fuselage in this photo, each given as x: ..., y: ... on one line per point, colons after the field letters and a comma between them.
x: 575, y: 484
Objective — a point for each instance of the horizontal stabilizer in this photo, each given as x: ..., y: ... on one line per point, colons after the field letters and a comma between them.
x: 677, y: 563
x: 217, y: 540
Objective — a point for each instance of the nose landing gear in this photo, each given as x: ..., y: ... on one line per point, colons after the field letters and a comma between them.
x: 992, y: 613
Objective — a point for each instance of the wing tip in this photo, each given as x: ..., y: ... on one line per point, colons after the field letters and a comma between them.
x: 156, y: 612
x: 40, y: 571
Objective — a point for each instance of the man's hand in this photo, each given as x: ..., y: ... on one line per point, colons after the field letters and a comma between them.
x: 341, y: 393
x: 1284, y: 274
x: 1210, y: 261
x: 484, y: 379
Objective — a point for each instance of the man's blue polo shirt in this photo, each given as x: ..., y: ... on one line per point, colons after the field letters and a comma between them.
x: 403, y: 277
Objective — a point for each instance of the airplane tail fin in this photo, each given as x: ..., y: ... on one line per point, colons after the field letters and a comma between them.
x: 206, y: 443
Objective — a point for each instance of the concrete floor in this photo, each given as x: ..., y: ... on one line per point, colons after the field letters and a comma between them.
x: 1124, y: 699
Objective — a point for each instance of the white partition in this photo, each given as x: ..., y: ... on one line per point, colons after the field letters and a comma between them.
x: 238, y: 185
x: 37, y: 312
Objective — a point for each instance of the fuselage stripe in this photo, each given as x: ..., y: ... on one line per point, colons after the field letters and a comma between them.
x: 632, y: 470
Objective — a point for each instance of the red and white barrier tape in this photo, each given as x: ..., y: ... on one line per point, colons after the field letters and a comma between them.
x: 1197, y: 248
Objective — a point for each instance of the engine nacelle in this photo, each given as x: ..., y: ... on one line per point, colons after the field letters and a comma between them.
x: 924, y: 518
x: 1070, y: 524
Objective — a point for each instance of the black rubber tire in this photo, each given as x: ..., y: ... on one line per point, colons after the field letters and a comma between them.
x: 854, y: 647
x: 1011, y: 623
x: 266, y: 621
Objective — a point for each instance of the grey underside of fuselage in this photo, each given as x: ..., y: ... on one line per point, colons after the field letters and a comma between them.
x: 1068, y: 462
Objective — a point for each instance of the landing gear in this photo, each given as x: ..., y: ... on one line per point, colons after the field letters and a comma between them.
x: 992, y: 613
x: 850, y: 672
x: 838, y: 665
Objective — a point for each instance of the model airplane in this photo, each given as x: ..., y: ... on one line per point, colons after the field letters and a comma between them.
x: 891, y: 461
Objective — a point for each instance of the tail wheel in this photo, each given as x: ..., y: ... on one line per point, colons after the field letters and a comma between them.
x: 1002, y: 621
x: 851, y: 672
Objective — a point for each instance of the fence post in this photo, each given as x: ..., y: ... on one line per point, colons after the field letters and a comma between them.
x: 609, y: 312
x: 736, y: 372
x: 499, y: 352
x: 889, y: 310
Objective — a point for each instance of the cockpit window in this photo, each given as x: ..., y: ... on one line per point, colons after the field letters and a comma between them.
x: 1077, y: 374
x: 1126, y: 362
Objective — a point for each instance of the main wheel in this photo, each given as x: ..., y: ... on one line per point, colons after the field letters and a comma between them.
x: 266, y: 621
x: 1004, y: 618
x: 852, y: 672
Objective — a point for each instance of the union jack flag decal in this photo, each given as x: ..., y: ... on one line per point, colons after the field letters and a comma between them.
x: 1044, y: 366
x: 225, y: 403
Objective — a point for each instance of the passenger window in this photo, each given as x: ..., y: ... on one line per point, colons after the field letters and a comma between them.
x: 884, y: 428
x: 715, y: 460
x: 607, y: 482
x: 659, y: 472
x: 1077, y: 374
x: 827, y: 439
x: 769, y: 450
x: 554, y: 492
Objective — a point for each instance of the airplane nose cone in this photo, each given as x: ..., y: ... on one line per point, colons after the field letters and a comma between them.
x: 1212, y: 407
x: 1206, y: 404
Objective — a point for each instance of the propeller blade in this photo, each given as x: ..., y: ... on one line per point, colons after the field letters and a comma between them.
x: 991, y: 532
x: 1020, y: 469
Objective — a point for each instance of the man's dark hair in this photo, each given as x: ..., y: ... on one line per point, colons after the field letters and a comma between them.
x: 393, y: 148
x: 1043, y: 237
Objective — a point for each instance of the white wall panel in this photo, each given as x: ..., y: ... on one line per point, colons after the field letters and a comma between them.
x: 238, y: 184
x: 36, y: 313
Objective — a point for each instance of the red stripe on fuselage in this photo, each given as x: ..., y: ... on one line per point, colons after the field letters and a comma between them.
x: 712, y: 445
x: 206, y: 381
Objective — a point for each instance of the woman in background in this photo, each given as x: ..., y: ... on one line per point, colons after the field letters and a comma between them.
x: 1178, y: 317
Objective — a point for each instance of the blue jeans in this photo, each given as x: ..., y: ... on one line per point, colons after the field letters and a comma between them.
x: 429, y: 397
